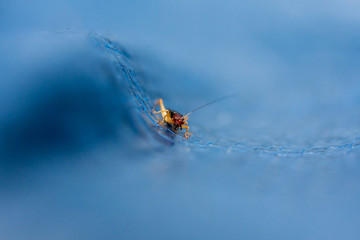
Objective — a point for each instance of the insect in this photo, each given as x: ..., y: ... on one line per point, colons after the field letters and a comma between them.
x: 177, y: 120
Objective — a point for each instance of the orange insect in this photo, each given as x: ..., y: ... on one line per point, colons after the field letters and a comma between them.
x: 177, y: 120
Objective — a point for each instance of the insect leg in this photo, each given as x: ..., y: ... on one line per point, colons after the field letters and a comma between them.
x: 187, y: 134
x: 160, y: 111
x: 162, y: 107
x: 164, y: 112
x: 163, y: 115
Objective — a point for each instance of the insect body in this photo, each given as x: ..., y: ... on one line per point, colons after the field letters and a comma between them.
x: 177, y: 120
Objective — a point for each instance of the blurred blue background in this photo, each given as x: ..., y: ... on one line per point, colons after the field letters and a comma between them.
x: 82, y: 158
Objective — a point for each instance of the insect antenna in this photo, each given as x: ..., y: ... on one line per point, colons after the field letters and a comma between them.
x: 212, y: 102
